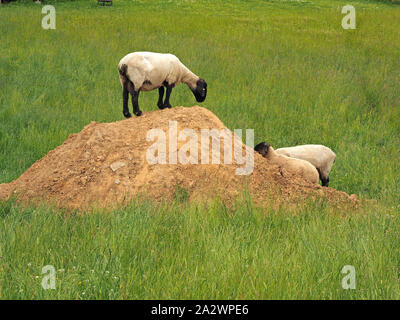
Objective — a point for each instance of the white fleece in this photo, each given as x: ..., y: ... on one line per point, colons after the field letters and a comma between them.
x: 299, y: 167
x: 148, y: 70
x: 321, y: 157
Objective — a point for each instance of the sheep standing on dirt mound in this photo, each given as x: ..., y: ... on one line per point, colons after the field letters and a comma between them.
x: 300, y: 167
x: 146, y: 71
x: 321, y: 157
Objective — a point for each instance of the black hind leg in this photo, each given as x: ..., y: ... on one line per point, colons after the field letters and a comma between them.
x: 135, y: 99
x: 135, y: 104
x: 125, y: 98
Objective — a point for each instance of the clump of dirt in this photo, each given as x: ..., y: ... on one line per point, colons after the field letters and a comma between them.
x: 106, y: 165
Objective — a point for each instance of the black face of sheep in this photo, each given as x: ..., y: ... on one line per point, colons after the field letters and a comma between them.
x: 200, y: 92
x: 262, y: 148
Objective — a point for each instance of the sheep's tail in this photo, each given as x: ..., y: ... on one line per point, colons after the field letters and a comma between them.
x: 122, y: 69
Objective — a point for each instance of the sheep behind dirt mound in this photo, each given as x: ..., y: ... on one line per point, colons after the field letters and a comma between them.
x: 105, y: 165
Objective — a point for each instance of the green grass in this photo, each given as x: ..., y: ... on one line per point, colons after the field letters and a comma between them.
x: 284, y: 68
x: 187, y: 252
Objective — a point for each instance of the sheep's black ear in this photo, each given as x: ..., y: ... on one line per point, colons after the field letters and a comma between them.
x: 262, y: 148
x: 258, y: 146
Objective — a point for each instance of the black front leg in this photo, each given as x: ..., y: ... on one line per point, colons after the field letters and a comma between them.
x: 135, y: 103
x: 167, y: 95
x: 125, y: 97
x: 160, y: 98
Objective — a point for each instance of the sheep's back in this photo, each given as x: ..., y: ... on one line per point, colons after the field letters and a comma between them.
x: 317, y: 155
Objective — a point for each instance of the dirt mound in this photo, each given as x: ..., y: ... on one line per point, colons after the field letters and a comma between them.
x: 106, y: 164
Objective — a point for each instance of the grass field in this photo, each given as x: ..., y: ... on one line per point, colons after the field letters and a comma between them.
x: 284, y: 68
